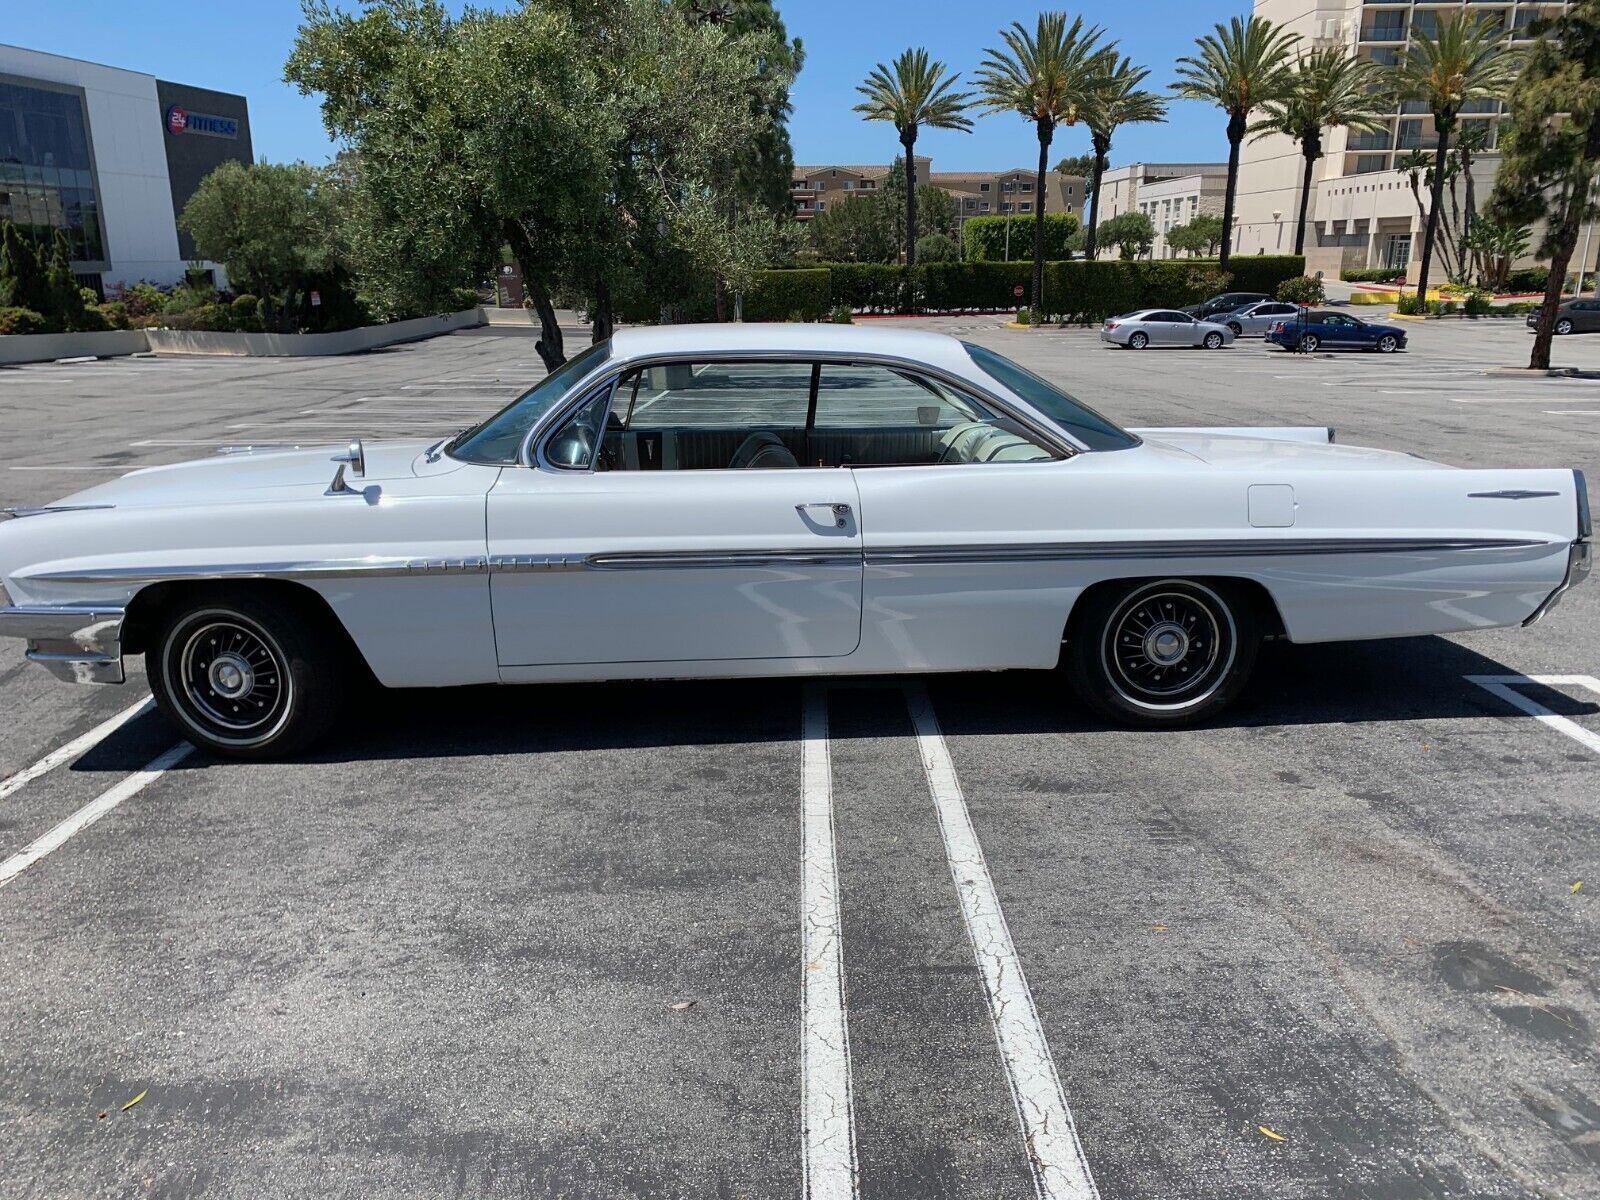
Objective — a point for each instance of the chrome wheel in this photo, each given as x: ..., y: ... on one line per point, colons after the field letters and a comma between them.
x: 1309, y: 344
x: 1563, y: 327
x: 229, y: 676
x: 1168, y: 646
x: 1213, y: 341
x: 1138, y: 341
x: 1387, y: 344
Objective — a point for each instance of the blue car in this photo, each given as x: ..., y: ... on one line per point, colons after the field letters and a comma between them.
x: 1316, y: 330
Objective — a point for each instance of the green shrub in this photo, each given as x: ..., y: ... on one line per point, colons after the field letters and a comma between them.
x: 1520, y: 308
x: 937, y: 248
x: 188, y: 298
x: 1086, y: 293
x: 1442, y: 308
x: 865, y: 287
x: 956, y: 287
x: 801, y: 294
x: 1024, y: 317
x: 1535, y: 279
x: 21, y: 320
x: 115, y: 314
x: 983, y: 239
x: 244, y: 314
x: 1408, y: 305
x: 1370, y: 275
x: 90, y: 320
x: 201, y: 317
x: 463, y: 298
x: 1478, y: 304
x: 1263, y: 272
x: 142, y: 300
x: 841, y: 315
x: 1301, y: 289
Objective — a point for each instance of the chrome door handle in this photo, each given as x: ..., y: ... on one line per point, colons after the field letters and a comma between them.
x: 841, y: 512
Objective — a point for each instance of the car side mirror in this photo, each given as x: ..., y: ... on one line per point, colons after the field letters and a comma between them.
x: 353, y: 460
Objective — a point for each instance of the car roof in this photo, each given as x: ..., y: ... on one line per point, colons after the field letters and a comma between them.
x: 936, y: 349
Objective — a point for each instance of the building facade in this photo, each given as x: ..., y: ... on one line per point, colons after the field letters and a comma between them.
x: 1169, y: 194
x: 110, y: 157
x: 1364, y: 210
x: 976, y: 193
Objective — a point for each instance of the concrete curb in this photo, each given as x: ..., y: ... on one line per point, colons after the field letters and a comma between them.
x: 1535, y: 372
x: 47, y: 347
x: 303, y: 345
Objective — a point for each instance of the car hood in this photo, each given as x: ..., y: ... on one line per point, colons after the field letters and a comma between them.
x: 1244, y: 451
x: 243, y: 476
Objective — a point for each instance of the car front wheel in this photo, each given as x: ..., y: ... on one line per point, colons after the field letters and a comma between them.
x: 1388, y: 344
x: 1238, y: 329
x: 1563, y: 327
x: 1138, y: 341
x: 1213, y: 341
x: 247, y: 676
x: 1162, y: 653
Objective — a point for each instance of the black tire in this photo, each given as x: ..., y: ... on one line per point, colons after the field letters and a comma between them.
x: 1309, y: 343
x: 1388, y: 344
x: 1209, y: 632
x: 1564, y: 326
x: 291, y: 672
x: 1213, y: 341
x: 1238, y: 329
x: 1138, y: 340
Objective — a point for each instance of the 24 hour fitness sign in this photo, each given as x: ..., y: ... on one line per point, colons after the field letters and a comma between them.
x: 180, y: 120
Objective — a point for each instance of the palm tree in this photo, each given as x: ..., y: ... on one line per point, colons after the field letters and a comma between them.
x: 1044, y: 76
x: 1465, y: 60
x: 1330, y: 89
x: 1240, y: 67
x: 1115, y: 99
x: 913, y: 93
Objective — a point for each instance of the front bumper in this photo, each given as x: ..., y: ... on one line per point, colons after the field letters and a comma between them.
x: 78, y: 643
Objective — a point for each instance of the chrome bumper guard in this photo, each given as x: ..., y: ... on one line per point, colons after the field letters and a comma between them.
x: 79, y: 643
x: 1579, y: 561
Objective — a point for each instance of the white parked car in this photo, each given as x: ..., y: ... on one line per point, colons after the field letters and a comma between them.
x: 766, y: 500
x: 1164, y: 327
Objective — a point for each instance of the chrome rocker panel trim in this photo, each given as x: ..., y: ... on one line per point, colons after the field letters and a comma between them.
x: 77, y: 643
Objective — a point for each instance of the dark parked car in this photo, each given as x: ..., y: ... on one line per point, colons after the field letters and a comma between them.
x: 1226, y: 302
x: 1572, y: 316
x: 1316, y: 329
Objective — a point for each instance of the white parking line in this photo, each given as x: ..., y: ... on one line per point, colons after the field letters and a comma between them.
x: 1504, y: 686
x: 828, y: 1144
x: 92, y: 812
x: 1055, y: 1154
x: 78, y: 745
x: 1572, y: 412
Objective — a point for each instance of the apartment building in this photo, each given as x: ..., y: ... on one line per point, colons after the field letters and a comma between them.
x: 1363, y: 211
x: 976, y: 193
x: 1168, y: 193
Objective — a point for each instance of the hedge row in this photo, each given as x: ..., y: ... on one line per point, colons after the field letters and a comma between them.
x: 1075, y: 291
x: 984, y: 238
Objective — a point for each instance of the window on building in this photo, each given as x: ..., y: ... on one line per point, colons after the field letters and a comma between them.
x: 983, y: 187
x: 819, y: 185
x: 821, y: 204
x: 849, y: 185
x: 1027, y: 187
x: 1006, y: 207
x: 45, y: 176
x: 1025, y: 206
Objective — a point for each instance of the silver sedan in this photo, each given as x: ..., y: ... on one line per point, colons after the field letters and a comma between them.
x: 1254, y: 320
x: 1163, y: 327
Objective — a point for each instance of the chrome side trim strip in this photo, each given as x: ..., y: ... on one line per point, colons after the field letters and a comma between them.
x: 375, y: 567
x: 1510, y: 494
x: 41, y: 510
x: 1197, y: 548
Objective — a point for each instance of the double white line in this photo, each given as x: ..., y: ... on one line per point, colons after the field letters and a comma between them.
x: 1050, y: 1137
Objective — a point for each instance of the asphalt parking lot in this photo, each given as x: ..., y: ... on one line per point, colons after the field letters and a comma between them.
x: 563, y: 941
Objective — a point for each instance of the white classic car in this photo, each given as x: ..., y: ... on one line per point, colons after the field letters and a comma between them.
x: 758, y: 500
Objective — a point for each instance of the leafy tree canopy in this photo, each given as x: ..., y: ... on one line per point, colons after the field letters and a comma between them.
x: 1132, y: 233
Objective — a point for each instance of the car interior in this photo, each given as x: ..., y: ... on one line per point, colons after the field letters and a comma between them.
x: 764, y: 416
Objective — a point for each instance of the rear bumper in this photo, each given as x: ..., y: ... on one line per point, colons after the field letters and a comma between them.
x: 78, y: 643
x: 1579, y: 561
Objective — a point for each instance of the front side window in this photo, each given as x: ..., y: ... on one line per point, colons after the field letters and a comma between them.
x: 1081, y: 421
x: 498, y: 441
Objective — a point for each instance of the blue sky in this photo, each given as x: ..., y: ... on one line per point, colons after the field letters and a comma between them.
x: 240, y: 45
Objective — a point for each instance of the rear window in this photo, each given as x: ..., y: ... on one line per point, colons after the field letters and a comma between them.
x: 1078, y: 419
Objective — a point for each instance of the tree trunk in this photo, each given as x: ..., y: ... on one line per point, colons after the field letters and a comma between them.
x: 549, y: 345
x: 1036, y: 297
x: 1436, y: 201
x: 1312, y: 149
x: 1563, y: 241
x: 605, y: 317
x: 1236, y: 130
x: 1102, y: 160
x: 909, y: 141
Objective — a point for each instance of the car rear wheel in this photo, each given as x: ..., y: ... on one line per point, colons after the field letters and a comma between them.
x: 1213, y: 341
x: 1388, y: 344
x: 1309, y: 343
x: 1564, y: 326
x: 247, y: 676
x: 1162, y: 653
x: 1138, y: 341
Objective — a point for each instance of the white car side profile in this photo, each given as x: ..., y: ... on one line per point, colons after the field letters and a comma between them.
x: 760, y: 500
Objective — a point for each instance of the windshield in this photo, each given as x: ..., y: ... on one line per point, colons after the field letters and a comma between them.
x: 1082, y: 422
x: 499, y: 439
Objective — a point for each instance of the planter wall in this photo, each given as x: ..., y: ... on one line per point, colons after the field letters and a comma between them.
x: 297, y: 345
x: 47, y: 347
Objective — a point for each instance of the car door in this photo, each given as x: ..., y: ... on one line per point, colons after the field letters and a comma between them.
x: 1586, y: 316
x: 669, y: 520
x: 1337, y: 331
x: 1264, y: 316
x: 1174, y: 328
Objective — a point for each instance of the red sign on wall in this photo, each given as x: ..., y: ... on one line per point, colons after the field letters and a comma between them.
x: 177, y: 120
